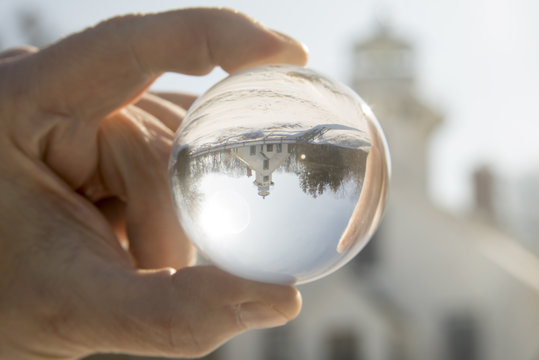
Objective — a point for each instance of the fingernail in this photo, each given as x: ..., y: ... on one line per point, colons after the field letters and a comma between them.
x: 258, y: 315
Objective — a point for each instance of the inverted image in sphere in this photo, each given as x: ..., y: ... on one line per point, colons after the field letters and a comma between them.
x: 279, y: 174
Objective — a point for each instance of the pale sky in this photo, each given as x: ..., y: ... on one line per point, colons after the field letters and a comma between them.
x: 477, y: 63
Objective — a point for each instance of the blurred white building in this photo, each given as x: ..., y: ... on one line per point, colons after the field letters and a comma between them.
x: 429, y: 285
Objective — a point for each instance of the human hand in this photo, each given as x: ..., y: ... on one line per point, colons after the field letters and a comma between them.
x: 83, y: 177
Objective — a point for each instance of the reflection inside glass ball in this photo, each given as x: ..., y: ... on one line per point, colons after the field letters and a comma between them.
x: 279, y: 174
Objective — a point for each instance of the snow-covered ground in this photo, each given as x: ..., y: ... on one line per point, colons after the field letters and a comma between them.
x: 285, y: 103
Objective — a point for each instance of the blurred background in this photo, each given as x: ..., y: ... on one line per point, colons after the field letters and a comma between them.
x: 453, y: 272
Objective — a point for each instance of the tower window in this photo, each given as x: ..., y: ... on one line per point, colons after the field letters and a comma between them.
x: 265, y: 164
x: 252, y: 150
x: 269, y: 147
x: 343, y: 344
x: 279, y: 148
x: 279, y: 344
x: 462, y: 336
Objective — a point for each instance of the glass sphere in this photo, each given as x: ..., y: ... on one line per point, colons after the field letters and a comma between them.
x: 279, y: 174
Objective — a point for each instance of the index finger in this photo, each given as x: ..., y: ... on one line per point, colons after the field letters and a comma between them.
x: 92, y: 73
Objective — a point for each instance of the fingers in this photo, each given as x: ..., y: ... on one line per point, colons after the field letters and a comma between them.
x: 167, y: 112
x: 135, y: 147
x: 192, y: 311
x: 90, y: 74
x: 182, y: 100
x: 113, y: 210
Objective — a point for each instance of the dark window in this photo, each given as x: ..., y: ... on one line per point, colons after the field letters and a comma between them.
x: 279, y: 148
x: 290, y: 148
x: 265, y: 165
x: 342, y: 344
x: 461, y: 333
x: 252, y: 150
x: 278, y: 343
x: 269, y: 147
x: 266, y: 178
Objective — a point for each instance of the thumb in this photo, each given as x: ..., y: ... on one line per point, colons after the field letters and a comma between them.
x: 192, y: 311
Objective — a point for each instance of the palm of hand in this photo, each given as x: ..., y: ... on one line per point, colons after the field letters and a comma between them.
x: 83, y: 178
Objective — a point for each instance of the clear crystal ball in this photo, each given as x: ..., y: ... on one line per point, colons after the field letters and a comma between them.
x: 279, y: 174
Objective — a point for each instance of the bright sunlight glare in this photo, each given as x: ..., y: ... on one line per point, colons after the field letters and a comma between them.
x: 225, y: 213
